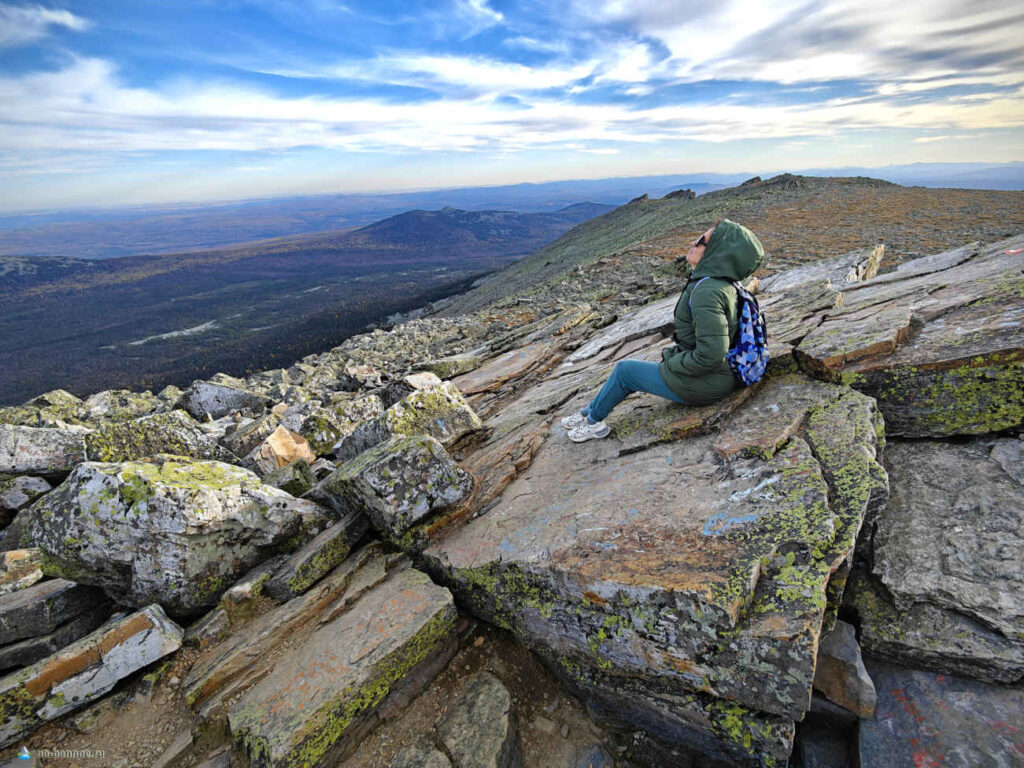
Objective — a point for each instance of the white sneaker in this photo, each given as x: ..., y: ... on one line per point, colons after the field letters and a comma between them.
x: 574, y: 420
x: 589, y: 431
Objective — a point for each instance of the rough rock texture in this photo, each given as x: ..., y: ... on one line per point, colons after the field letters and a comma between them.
x: 207, y: 398
x: 175, y: 432
x: 120, y: 405
x: 682, y: 582
x: 308, y: 707
x: 280, y: 448
x: 41, y: 608
x: 422, y: 755
x: 948, y: 550
x: 925, y: 719
x: 939, y: 342
x: 439, y: 411
x: 20, y: 568
x: 323, y: 426
x: 840, y: 673
x: 244, y: 439
x: 454, y: 365
x: 397, y: 484
x: 296, y: 478
x: 83, y: 671
x: 17, y: 492
x: 170, y: 530
x: 32, y: 649
x: 40, y: 450
x: 404, y: 386
x: 480, y: 730
x: 321, y: 555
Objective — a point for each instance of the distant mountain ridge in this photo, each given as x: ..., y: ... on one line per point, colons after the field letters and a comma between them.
x: 144, y: 320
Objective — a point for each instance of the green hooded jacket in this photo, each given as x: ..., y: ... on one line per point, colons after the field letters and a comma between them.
x: 695, y: 367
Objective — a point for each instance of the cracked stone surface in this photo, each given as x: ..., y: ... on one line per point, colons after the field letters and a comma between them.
x: 939, y: 342
x: 692, y: 573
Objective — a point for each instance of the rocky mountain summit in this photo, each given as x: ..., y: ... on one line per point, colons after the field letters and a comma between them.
x: 822, y: 569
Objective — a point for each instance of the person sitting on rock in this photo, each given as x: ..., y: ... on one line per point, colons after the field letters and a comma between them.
x: 694, y: 370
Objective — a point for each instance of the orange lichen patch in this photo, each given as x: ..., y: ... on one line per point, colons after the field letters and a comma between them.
x: 64, y: 666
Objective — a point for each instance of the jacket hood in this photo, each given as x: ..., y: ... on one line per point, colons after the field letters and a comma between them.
x: 733, y: 252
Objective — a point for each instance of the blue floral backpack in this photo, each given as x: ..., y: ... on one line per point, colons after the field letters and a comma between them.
x: 748, y: 353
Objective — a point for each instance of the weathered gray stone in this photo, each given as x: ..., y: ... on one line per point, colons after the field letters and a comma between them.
x: 219, y: 758
x: 175, y: 432
x: 324, y: 426
x: 939, y: 344
x: 207, y: 398
x: 20, y: 568
x: 840, y: 673
x: 170, y: 530
x: 454, y: 365
x: 33, y: 649
x: 40, y: 450
x: 41, y: 608
x: 953, y: 532
x: 311, y: 705
x: 321, y: 555
x: 404, y: 386
x: 853, y: 267
x: 244, y: 439
x: 925, y: 719
x: 295, y: 478
x: 686, y: 583
x: 211, y: 628
x: 120, y: 405
x: 83, y: 671
x: 252, y: 584
x: 421, y: 755
x: 439, y: 411
x: 480, y: 729
x: 592, y: 756
x: 176, y: 750
x: 656, y: 317
x: 17, y: 492
x: 396, y: 484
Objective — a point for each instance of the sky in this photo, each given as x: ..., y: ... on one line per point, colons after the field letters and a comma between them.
x: 106, y: 103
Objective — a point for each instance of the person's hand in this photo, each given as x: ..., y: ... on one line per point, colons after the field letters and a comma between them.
x: 693, y: 256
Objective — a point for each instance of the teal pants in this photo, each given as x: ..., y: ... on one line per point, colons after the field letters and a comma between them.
x: 628, y: 376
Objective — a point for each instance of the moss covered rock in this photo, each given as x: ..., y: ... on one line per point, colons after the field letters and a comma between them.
x: 170, y: 530
x: 175, y: 432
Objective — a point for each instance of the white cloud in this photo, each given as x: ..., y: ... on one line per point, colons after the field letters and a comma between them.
x: 89, y: 109
x: 25, y: 24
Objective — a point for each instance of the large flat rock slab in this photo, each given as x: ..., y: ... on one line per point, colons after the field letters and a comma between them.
x: 694, y: 574
x: 928, y: 719
x: 321, y: 692
x: 83, y: 671
x: 40, y: 450
x: 947, y: 576
x: 939, y: 342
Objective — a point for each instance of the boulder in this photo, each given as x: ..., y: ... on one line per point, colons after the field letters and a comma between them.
x: 928, y: 719
x: 302, y: 684
x: 40, y: 450
x: 321, y: 555
x: 946, y: 583
x: 208, y: 399
x: 939, y: 342
x: 295, y: 478
x: 404, y: 386
x: 680, y: 586
x: 324, y: 426
x: 248, y: 436
x: 20, y: 568
x: 175, y: 432
x: 83, y: 671
x: 480, y: 730
x: 397, y: 484
x: 42, y: 607
x: 455, y: 365
x: 840, y: 674
x: 17, y: 492
x: 280, y: 448
x: 439, y: 411
x: 171, y: 530
x: 120, y: 405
